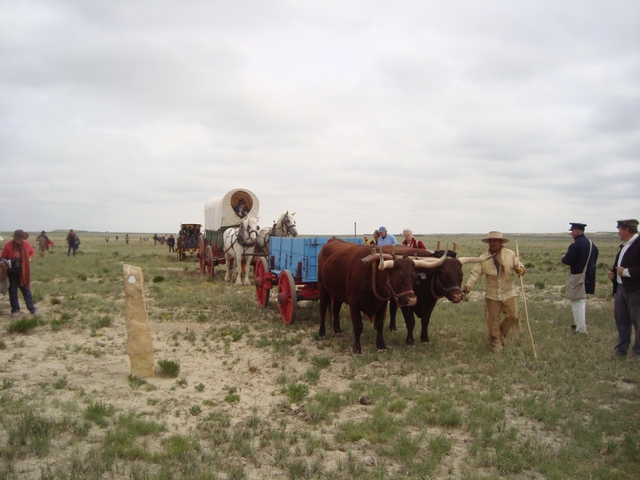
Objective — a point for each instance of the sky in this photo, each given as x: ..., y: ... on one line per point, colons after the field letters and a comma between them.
x: 439, y: 116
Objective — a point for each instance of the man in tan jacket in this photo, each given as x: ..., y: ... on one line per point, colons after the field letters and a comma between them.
x: 500, y: 293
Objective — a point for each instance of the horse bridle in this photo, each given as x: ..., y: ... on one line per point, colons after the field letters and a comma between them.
x: 241, y: 237
x: 287, y: 225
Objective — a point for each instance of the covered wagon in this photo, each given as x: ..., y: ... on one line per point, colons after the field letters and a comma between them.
x: 220, y: 214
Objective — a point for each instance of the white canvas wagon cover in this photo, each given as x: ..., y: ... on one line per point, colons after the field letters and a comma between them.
x: 219, y: 211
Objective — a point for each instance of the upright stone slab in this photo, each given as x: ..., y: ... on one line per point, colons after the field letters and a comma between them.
x: 139, y: 341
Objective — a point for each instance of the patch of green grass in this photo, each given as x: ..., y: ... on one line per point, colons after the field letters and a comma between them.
x: 22, y: 325
x: 102, y: 321
x: 7, y: 383
x: 28, y: 433
x: 169, y: 368
x: 321, y: 362
x: 97, y: 413
x: 296, y: 392
x: 135, y: 382
x: 232, y: 395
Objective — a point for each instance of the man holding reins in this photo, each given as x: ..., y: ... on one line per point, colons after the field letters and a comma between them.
x: 500, y: 292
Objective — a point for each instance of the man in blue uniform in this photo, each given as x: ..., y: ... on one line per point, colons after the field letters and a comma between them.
x: 581, y: 250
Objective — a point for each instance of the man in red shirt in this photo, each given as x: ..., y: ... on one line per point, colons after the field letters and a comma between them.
x: 19, y: 253
x: 409, y: 241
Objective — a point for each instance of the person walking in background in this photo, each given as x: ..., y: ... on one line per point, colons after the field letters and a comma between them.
x: 410, y: 241
x: 73, y: 241
x: 386, y: 238
x: 43, y: 243
x: 625, y: 276
x: 126, y: 239
x: 171, y: 242
x: 579, y: 252
x: 500, y: 291
x: 19, y: 253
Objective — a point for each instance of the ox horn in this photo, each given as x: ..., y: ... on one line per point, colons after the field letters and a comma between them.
x: 455, y: 247
x: 431, y: 262
x: 386, y: 264
x: 480, y: 259
x: 438, y: 245
x: 375, y: 256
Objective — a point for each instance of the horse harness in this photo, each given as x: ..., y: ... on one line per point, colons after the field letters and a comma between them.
x: 240, y: 237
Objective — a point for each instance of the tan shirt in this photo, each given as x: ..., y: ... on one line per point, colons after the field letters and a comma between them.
x: 499, y: 287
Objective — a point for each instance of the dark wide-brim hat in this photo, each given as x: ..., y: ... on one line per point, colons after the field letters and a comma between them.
x: 577, y: 226
x: 632, y: 222
x: 494, y: 235
x: 20, y: 234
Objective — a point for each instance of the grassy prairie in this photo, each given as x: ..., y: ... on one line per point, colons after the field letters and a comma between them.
x: 240, y: 395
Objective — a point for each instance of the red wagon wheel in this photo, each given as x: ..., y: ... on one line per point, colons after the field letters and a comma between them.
x: 201, y: 254
x: 208, y: 261
x: 260, y: 272
x: 287, y: 297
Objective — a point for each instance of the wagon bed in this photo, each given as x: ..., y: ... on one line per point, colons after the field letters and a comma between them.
x: 293, y: 265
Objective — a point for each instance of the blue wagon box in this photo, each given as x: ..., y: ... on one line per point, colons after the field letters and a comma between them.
x: 299, y: 255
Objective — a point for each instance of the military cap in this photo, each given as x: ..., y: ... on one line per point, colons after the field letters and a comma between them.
x: 577, y: 226
x: 632, y: 222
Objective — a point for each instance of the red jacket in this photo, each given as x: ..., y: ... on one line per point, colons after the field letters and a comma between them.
x: 27, y: 253
x: 414, y: 243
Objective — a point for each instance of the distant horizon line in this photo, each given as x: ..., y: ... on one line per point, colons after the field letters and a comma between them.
x: 58, y: 230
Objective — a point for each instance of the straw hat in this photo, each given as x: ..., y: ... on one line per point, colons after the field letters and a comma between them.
x: 495, y: 235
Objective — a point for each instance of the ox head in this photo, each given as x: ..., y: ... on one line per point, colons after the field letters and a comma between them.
x: 448, y: 279
x: 401, y: 275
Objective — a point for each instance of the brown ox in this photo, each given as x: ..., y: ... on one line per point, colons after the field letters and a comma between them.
x: 431, y: 284
x: 351, y: 274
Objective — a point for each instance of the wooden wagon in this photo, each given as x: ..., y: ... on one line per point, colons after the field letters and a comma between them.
x: 292, y: 265
x: 188, y: 240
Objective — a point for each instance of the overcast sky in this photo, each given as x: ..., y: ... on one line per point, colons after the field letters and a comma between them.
x: 441, y: 116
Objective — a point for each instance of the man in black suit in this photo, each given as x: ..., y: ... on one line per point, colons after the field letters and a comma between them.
x: 581, y: 251
x: 625, y: 276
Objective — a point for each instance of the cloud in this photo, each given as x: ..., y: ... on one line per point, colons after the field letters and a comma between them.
x: 438, y: 116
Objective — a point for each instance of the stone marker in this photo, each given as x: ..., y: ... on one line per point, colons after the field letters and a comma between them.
x: 139, y: 341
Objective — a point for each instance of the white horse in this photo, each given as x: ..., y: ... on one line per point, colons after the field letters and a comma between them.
x: 239, y: 244
x: 285, y: 226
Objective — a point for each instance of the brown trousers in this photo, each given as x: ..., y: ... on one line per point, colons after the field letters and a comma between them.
x: 497, y: 329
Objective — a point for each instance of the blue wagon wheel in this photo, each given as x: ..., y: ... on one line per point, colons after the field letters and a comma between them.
x: 263, y: 285
x: 287, y: 297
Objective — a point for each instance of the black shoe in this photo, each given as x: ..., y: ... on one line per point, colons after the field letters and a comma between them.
x: 618, y: 353
x: 573, y: 327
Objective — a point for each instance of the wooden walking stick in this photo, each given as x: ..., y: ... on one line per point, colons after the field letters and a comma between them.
x: 526, y: 312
